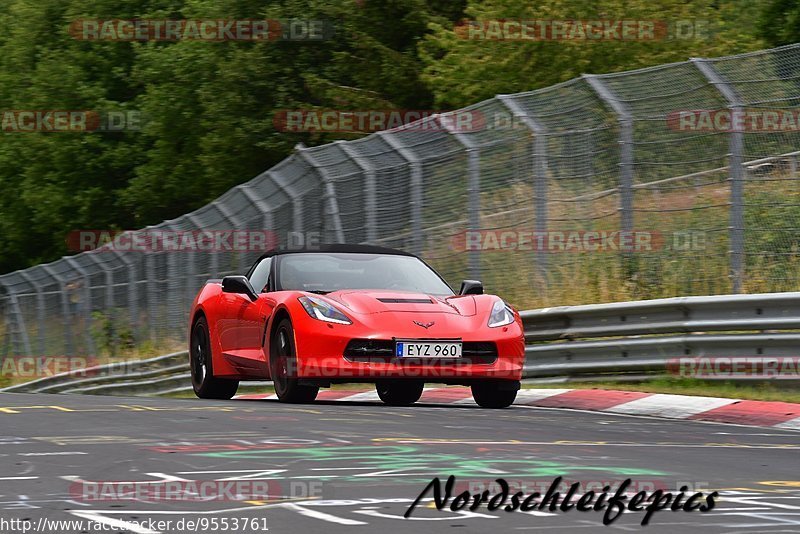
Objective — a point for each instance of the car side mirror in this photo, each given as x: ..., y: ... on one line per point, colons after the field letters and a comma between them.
x: 240, y: 285
x: 471, y: 287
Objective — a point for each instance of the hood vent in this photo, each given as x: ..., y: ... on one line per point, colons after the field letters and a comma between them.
x: 405, y: 301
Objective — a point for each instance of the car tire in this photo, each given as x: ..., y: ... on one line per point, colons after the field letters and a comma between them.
x: 200, y: 363
x: 282, y: 367
x: 494, y: 394
x: 399, y: 392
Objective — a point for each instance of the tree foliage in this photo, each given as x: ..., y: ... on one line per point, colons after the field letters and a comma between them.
x: 208, y: 107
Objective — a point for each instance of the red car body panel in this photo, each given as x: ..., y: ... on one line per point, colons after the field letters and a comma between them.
x: 240, y: 334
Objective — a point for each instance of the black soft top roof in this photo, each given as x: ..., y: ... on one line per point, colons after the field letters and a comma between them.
x: 338, y: 248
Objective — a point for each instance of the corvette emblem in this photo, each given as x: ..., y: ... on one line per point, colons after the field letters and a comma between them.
x: 424, y: 325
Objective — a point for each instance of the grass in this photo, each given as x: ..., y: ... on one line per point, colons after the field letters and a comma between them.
x: 762, y: 391
x: 672, y: 267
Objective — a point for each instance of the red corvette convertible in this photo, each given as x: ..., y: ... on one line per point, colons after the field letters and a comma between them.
x: 307, y: 319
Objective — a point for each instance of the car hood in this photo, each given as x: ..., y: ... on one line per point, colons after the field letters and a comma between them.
x: 373, y: 301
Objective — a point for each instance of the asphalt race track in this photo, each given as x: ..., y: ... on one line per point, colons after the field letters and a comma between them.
x: 350, y: 467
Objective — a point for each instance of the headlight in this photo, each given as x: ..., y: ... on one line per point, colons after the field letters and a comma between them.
x: 320, y: 309
x: 502, y: 315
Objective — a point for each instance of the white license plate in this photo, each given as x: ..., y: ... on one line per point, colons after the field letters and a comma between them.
x: 409, y: 348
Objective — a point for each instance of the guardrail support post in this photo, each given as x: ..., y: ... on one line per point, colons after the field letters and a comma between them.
x: 736, y: 172
x: 415, y: 165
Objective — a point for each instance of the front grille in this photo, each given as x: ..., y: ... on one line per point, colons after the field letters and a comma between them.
x: 382, y: 350
x: 369, y: 348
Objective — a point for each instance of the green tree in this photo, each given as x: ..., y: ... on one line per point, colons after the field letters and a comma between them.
x: 779, y: 23
x: 463, y: 71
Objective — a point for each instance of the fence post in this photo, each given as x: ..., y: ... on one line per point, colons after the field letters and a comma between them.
x: 234, y: 224
x: 40, y: 315
x: 19, y: 324
x: 539, y: 175
x: 109, y: 296
x: 370, y: 190
x: 297, y: 202
x: 473, y: 190
x: 87, y: 309
x: 65, y: 310
x: 264, y: 207
x: 331, y: 204
x: 736, y: 172
x: 133, y: 296
x: 625, y: 119
x: 152, y: 319
x: 174, y: 302
x: 415, y: 165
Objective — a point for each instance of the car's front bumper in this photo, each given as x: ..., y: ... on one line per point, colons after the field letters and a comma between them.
x: 324, y: 357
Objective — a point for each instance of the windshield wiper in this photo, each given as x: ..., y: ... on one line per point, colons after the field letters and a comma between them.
x: 319, y: 291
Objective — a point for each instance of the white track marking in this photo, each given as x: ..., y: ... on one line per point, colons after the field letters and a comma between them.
x: 461, y: 514
x: 115, y: 523
x: 366, y: 396
x: 322, y: 516
x: 792, y: 424
x: 531, y: 395
x: 670, y: 406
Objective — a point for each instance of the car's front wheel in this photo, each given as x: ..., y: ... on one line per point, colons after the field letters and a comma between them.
x: 399, y: 392
x: 283, y: 367
x: 495, y: 394
x: 203, y: 382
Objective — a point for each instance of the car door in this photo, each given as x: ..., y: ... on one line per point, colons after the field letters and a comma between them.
x: 242, y: 336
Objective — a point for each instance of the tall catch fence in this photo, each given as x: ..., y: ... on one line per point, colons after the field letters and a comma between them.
x: 604, y: 188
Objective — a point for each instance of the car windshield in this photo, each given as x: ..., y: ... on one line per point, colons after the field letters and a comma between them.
x: 326, y: 272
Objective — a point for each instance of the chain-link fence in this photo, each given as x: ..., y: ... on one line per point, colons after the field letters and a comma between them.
x: 674, y: 180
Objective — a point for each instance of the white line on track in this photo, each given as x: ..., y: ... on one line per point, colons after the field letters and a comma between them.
x: 322, y: 516
x: 115, y: 523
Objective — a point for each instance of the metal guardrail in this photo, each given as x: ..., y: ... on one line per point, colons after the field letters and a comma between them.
x: 642, y: 337
x: 161, y: 375
x: 615, y: 341
x: 107, y: 377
